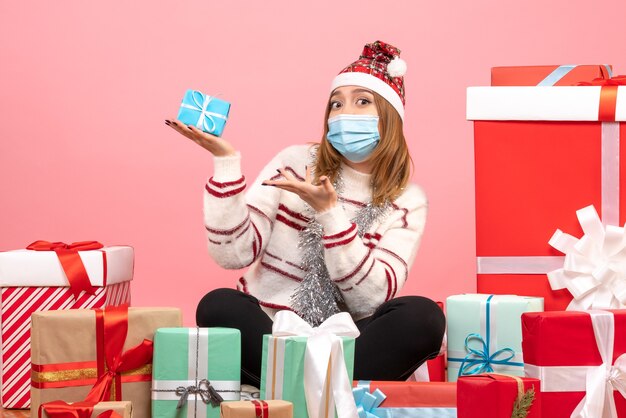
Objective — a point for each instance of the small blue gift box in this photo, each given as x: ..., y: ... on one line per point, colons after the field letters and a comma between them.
x: 207, y: 113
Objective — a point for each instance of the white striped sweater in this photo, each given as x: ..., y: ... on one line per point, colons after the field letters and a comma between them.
x: 259, y: 229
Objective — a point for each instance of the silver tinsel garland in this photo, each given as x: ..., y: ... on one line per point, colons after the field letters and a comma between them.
x: 317, y: 297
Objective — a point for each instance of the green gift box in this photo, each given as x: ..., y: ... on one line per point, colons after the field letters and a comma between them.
x: 191, y: 367
x: 282, y: 369
x: 485, y: 333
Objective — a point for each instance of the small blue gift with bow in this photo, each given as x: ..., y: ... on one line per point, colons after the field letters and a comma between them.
x: 205, y: 112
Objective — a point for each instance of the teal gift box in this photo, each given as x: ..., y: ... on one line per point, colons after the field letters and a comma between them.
x: 190, y: 366
x: 282, y: 369
x: 485, y: 333
x: 205, y: 112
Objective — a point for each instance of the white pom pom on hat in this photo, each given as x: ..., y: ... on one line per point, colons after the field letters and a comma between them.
x: 397, y: 67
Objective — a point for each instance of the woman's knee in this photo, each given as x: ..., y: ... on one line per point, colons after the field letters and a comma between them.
x: 423, y: 317
x: 217, y: 304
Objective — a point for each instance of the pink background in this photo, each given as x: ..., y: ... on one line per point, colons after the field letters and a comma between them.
x: 85, y: 87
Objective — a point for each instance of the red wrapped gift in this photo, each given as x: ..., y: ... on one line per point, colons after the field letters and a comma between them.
x: 53, y: 276
x: 437, y: 368
x: 433, y: 395
x: 579, y: 357
x: 495, y: 395
x: 547, y: 75
x: 542, y: 153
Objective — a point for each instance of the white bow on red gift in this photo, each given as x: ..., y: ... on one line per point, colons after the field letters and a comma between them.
x: 326, y: 380
x: 598, y: 382
x: 603, y: 379
x: 594, y: 270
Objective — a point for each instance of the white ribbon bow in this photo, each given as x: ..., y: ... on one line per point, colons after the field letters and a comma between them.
x: 326, y: 379
x: 602, y: 380
x: 594, y: 270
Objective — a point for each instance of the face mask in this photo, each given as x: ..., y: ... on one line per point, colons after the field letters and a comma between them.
x: 353, y: 136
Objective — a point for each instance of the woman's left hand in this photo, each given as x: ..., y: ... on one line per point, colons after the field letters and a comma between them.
x: 321, y: 198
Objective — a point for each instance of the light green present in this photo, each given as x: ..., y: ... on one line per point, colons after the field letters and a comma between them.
x: 485, y: 333
x: 282, y: 370
x: 190, y: 366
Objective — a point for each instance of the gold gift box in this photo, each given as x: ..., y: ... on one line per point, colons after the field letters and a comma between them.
x: 247, y: 409
x: 63, y: 355
x: 124, y: 408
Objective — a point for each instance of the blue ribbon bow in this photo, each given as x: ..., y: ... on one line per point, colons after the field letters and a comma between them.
x: 366, y: 402
x: 479, y: 360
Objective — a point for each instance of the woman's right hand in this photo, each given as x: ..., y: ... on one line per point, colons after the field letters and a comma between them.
x: 214, y: 144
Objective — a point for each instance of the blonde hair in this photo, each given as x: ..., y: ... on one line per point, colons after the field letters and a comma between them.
x: 392, y: 162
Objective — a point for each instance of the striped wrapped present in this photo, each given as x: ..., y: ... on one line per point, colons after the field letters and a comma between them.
x: 52, y: 276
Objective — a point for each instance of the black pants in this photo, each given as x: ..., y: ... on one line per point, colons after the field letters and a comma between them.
x: 402, y: 334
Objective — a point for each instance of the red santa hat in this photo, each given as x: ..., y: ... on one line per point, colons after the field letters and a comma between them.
x: 380, y: 69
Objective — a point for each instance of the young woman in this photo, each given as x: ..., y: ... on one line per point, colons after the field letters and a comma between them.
x: 328, y: 227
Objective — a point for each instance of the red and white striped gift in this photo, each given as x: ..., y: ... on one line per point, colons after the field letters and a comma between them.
x: 35, y: 281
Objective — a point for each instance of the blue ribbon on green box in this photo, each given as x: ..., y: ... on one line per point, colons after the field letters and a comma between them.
x: 499, y: 347
x: 193, y: 370
x: 480, y: 360
x: 207, y: 113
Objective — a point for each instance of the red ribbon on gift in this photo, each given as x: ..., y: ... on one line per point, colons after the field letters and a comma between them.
x: 61, y: 409
x: 261, y: 409
x: 111, y: 331
x: 608, y: 95
x: 111, y: 364
x: 71, y: 262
